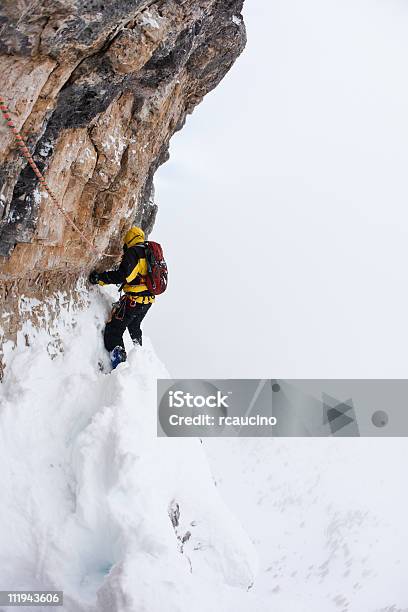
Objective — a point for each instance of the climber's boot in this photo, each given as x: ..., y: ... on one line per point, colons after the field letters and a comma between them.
x: 117, y: 356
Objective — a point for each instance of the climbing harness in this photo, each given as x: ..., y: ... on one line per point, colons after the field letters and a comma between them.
x: 26, y: 153
x: 119, y: 309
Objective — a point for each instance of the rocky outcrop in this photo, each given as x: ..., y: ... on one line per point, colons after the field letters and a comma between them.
x: 97, y: 89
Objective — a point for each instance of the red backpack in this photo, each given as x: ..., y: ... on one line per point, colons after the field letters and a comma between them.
x: 157, y: 273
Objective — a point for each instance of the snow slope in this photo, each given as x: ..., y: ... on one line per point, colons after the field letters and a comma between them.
x: 92, y: 502
x: 327, y: 516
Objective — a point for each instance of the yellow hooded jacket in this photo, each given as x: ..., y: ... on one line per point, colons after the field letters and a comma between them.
x: 132, y: 269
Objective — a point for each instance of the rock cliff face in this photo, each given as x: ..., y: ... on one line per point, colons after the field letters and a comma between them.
x: 97, y: 89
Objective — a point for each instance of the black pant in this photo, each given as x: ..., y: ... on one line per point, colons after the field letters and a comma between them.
x: 126, y: 314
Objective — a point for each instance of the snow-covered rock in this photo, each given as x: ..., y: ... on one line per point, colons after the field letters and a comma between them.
x: 92, y: 502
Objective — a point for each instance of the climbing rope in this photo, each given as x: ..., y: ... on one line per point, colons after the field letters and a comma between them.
x: 26, y: 153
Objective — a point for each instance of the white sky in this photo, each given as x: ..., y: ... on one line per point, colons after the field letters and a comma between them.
x: 284, y: 206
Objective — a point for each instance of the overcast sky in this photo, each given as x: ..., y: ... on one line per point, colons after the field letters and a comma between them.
x: 284, y: 207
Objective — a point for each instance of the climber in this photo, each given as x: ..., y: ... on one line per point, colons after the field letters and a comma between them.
x: 132, y: 307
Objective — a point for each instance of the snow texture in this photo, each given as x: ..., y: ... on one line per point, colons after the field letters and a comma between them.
x: 327, y: 516
x: 92, y: 502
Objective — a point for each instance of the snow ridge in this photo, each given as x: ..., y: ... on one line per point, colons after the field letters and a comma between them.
x: 89, y: 491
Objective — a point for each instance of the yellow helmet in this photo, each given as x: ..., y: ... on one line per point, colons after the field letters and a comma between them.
x: 134, y: 236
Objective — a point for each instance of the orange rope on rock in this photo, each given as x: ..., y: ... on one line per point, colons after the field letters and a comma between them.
x: 26, y: 153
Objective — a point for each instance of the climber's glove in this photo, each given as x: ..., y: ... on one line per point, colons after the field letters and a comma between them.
x: 94, y: 277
